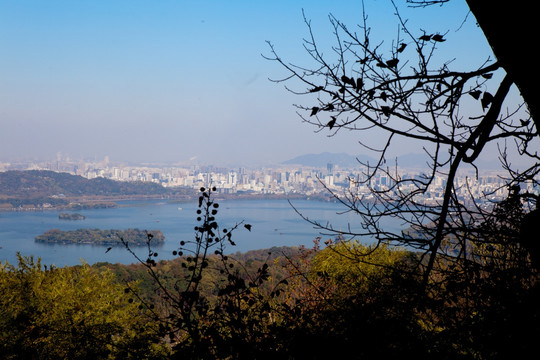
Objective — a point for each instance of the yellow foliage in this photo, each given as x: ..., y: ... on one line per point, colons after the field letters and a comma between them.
x: 70, y: 312
x: 353, y: 263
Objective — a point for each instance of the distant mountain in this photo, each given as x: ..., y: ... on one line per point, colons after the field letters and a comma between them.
x: 343, y: 160
x: 421, y: 161
x: 323, y: 159
x: 347, y: 161
x: 410, y: 161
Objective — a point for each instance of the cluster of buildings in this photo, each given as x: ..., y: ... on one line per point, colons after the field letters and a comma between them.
x: 284, y: 179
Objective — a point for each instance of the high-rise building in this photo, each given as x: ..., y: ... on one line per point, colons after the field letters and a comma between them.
x: 330, y: 168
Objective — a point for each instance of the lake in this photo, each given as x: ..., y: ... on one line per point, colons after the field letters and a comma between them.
x: 274, y: 223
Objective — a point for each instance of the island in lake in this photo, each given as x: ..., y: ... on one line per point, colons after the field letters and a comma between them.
x: 134, y: 237
x: 73, y: 216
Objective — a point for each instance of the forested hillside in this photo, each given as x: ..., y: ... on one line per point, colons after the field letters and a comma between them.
x: 35, y: 183
x: 280, y: 303
x: 34, y: 188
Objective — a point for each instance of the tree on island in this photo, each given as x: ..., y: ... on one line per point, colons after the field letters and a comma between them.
x: 71, y: 216
x: 134, y: 237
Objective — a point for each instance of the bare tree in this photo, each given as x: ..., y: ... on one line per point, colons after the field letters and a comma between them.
x: 400, y: 90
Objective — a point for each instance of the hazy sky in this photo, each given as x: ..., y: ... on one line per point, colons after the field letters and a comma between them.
x: 168, y: 81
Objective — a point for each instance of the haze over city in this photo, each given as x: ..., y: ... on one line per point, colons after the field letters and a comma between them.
x: 177, y: 81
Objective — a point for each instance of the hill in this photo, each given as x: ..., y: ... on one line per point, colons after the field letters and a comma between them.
x: 37, y: 187
x: 48, y: 183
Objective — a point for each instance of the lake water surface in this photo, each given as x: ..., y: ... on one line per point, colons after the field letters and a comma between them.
x: 274, y: 223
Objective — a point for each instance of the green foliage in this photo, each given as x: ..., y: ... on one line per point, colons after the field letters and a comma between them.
x: 70, y: 313
x: 346, y: 300
x: 488, y: 294
x: 134, y: 237
x: 353, y: 264
x: 354, y: 301
x: 212, y: 305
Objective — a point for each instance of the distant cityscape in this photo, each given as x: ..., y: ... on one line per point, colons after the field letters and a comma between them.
x: 279, y: 179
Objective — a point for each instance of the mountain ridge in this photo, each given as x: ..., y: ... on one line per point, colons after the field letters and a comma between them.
x: 344, y: 160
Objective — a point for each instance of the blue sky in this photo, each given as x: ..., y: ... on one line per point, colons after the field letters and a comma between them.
x: 169, y: 81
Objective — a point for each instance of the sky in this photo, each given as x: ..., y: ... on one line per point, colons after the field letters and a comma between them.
x: 177, y: 81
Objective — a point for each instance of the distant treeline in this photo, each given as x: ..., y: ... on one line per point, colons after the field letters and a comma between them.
x: 71, y: 216
x: 133, y: 237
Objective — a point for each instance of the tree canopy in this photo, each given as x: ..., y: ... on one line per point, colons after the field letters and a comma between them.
x: 70, y: 313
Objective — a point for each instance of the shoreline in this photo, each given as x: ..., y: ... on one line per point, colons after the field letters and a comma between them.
x: 89, y: 202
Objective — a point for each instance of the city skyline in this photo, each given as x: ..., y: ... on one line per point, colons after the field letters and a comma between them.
x: 286, y: 180
x: 177, y: 81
